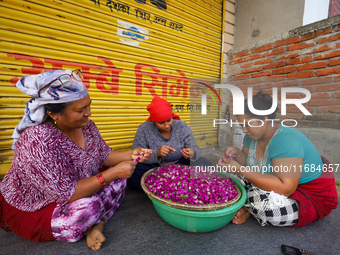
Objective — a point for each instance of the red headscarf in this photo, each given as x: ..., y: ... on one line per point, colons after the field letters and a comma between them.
x: 160, y: 110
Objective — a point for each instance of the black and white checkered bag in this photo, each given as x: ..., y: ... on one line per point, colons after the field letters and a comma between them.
x: 268, y: 207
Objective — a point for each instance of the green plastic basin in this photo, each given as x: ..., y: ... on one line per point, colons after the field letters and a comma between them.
x: 200, y: 221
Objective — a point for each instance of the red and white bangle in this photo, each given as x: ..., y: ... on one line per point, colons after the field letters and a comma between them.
x: 102, y: 180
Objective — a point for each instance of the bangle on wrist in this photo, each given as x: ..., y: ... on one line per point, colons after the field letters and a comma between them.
x: 239, y: 155
x: 244, y: 175
x: 102, y: 180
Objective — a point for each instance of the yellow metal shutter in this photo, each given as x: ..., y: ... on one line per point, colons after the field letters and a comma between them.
x: 128, y: 51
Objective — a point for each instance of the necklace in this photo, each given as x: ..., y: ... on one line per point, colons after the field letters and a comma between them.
x: 258, y: 142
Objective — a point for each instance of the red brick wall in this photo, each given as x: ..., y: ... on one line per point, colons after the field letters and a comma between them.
x: 310, y: 60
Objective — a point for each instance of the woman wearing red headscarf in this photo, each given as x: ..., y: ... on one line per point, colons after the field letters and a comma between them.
x: 170, y: 139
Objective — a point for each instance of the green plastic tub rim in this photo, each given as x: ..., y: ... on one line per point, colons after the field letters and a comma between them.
x: 214, y: 213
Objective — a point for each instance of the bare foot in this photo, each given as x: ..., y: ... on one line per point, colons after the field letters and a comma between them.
x: 241, y: 216
x: 95, y: 237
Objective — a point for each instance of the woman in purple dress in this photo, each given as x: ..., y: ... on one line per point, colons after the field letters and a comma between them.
x: 54, y: 189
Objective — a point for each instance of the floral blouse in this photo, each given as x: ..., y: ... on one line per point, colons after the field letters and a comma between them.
x: 47, y: 165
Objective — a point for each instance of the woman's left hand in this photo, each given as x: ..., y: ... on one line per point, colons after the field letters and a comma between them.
x: 141, y: 153
x: 188, y: 152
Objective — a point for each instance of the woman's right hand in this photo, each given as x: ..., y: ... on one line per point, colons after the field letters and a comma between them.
x: 232, y: 151
x: 124, y: 169
x: 164, y: 151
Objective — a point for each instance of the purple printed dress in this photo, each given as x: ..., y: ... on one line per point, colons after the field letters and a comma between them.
x: 46, y: 168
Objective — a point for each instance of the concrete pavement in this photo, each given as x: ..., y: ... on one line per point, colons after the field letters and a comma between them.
x: 136, y: 228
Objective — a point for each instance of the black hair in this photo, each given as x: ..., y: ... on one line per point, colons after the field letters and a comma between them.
x: 261, y: 101
x: 57, y: 108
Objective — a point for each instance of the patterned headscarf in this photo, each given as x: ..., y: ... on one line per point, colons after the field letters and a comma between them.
x: 35, y: 111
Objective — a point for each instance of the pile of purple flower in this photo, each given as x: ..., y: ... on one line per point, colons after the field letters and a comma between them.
x: 185, y: 185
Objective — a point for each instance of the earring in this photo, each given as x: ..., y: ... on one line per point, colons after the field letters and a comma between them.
x: 49, y: 114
